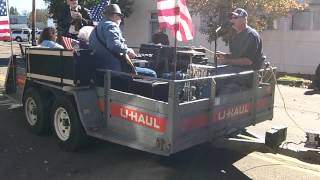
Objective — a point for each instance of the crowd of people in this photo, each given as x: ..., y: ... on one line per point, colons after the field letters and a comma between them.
x: 108, y: 44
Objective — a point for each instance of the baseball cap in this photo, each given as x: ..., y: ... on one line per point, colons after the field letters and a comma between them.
x: 113, y: 9
x: 239, y: 12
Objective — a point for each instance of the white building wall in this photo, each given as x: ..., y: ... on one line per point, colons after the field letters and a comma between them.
x: 137, y: 27
x: 292, y: 51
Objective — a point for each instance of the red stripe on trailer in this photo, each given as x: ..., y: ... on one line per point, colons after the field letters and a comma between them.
x: 101, y: 104
x: 196, y: 122
x: 232, y: 112
x: 138, y: 117
x: 21, y: 81
x: 223, y: 114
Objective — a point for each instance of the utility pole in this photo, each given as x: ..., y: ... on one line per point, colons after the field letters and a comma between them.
x: 33, y: 32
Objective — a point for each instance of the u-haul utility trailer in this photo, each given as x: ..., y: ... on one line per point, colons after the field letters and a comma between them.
x: 60, y: 90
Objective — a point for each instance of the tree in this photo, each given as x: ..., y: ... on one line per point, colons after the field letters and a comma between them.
x: 13, y: 11
x: 41, y: 16
x: 55, y: 5
x: 260, y: 12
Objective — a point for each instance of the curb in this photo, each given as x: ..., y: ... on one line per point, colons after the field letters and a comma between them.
x: 306, y: 155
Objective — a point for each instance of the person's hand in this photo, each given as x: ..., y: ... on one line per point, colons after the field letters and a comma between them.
x: 222, y: 61
x: 76, y: 15
x: 131, y: 53
x: 221, y: 57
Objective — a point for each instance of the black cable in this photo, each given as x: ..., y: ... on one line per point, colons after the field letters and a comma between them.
x: 284, y: 104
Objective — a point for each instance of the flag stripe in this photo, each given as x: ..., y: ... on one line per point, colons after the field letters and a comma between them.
x: 169, y: 12
x: 4, y: 30
x: 4, y: 22
x: 68, y: 43
x: 176, y: 17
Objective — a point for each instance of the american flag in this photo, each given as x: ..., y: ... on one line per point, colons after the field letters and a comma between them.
x: 174, y: 15
x: 96, y: 11
x: 69, y: 43
x: 4, y: 21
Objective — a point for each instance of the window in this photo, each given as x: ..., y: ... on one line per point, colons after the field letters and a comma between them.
x: 17, y: 32
x: 13, y: 20
x: 154, y: 24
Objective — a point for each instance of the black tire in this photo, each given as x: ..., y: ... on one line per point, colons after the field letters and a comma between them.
x: 66, y: 124
x: 36, y: 111
x: 18, y: 39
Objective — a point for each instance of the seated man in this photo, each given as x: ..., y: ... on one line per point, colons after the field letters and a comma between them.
x: 246, y: 53
x: 108, y: 44
x: 245, y: 46
x: 48, y: 38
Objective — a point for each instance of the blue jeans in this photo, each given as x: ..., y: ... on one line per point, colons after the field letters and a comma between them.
x: 146, y: 72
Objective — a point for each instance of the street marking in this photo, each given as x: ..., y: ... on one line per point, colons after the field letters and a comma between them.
x: 285, y: 161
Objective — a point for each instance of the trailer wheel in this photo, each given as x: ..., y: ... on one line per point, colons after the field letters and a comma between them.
x: 68, y: 129
x: 35, y: 109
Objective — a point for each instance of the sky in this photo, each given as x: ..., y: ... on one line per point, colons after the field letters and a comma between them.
x: 23, y: 5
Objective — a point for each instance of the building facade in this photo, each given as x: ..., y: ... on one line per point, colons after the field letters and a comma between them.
x: 18, y: 22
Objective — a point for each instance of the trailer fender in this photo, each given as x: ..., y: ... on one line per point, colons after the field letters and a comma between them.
x: 87, y: 103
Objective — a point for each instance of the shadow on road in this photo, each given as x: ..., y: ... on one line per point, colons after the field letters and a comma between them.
x: 312, y: 92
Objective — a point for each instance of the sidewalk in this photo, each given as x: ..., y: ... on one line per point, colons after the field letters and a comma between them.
x: 304, y: 115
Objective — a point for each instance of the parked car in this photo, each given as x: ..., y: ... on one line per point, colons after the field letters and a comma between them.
x: 38, y: 33
x: 21, y: 35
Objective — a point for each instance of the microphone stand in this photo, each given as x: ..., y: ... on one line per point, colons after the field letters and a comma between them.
x: 215, y: 49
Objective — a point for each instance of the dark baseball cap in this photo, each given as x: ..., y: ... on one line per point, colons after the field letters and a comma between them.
x: 239, y: 12
x: 113, y: 9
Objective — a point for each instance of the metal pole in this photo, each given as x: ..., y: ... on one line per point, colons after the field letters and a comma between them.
x: 33, y: 33
x: 215, y: 52
x: 175, y: 58
x: 175, y: 41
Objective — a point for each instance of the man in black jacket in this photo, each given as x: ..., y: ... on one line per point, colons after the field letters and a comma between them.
x: 72, y: 18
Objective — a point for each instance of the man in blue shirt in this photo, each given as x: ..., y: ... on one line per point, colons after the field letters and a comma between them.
x: 107, y: 41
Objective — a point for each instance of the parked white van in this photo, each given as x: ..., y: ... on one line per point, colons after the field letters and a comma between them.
x: 21, y: 34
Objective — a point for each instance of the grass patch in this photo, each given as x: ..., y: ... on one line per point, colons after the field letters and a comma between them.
x: 293, y: 81
x: 290, y: 78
